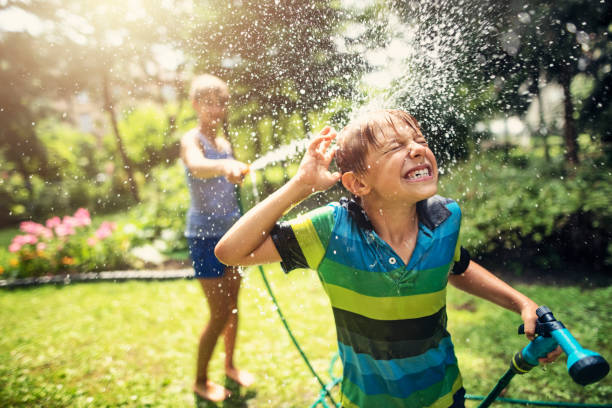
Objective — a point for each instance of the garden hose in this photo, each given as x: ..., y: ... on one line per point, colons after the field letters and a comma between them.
x: 584, y: 366
x: 325, y: 389
x: 539, y: 403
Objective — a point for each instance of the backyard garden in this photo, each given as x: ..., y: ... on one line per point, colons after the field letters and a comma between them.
x: 97, y: 302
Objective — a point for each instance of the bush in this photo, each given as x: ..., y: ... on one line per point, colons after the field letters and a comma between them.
x: 160, y: 219
x: 527, y: 202
x: 66, y: 245
x: 80, y: 175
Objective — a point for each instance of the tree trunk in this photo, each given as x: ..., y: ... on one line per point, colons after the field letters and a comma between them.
x: 569, y: 128
x: 108, y: 106
x: 542, y: 129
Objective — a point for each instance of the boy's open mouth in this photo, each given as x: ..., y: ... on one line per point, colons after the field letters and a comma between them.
x: 418, y: 173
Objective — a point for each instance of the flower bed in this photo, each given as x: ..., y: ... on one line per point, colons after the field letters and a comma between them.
x: 66, y: 245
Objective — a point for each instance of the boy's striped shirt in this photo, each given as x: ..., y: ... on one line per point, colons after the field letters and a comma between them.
x: 390, y: 317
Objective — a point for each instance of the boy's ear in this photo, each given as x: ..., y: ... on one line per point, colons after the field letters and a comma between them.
x: 354, y: 184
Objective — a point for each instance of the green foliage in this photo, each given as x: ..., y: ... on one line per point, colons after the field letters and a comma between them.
x: 133, y: 344
x: 81, y: 175
x: 71, y: 153
x: 148, y: 138
x: 282, y: 57
x: 160, y: 219
x: 526, y: 201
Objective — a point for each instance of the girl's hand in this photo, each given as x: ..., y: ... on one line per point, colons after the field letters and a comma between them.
x: 235, y: 171
x: 313, y: 172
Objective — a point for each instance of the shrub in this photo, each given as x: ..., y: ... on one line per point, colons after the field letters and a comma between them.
x: 80, y: 174
x: 527, y: 202
x: 65, y: 245
x: 160, y: 219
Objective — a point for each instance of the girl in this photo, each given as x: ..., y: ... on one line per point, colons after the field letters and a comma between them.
x: 211, y: 175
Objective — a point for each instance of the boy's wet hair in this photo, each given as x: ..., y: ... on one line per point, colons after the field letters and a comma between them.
x: 203, y: 86
x: 359, y: 136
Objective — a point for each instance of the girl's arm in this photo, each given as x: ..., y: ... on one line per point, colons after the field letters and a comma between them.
x: 480, y: 282
x: 201, y: 167
x: 248, y: 242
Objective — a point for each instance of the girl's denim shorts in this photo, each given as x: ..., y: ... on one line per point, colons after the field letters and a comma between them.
x: 205, y: 263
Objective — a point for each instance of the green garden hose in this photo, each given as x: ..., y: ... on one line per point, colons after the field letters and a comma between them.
x: 325, y: 389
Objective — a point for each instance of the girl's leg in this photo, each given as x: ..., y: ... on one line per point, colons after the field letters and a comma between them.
x: 232, y: 283
x: 218, y: 298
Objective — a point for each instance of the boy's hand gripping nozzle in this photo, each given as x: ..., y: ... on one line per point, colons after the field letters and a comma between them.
x: 584, y: 366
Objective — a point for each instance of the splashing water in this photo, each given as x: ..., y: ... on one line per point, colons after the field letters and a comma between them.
x: 282, y: 153
x: 432, y: 49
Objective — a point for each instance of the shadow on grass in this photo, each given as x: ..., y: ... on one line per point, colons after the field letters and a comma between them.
x: 236, y: 400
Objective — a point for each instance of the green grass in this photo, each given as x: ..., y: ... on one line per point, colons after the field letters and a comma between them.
x: 133, y: 344
x: 6, y: 236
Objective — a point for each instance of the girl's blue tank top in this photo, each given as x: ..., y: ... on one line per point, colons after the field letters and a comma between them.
x: 214, y: 204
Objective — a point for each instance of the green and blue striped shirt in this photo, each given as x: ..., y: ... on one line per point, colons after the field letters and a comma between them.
x: 390, y: 316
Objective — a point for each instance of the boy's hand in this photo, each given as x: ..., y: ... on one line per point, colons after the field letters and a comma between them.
x: 313, y: 172
x: 235, y: 171
x: 529, y: 316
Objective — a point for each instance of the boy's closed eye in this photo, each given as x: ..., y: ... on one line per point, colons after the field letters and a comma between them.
x: 393, y: 147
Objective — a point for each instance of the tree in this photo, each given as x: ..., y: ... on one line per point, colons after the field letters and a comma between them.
x: 280, y: 57
x: 111, y: 51
x: 557, y: 41
x: 31, y: 73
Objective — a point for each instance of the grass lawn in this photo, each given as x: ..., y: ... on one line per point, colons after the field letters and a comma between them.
x: 133, y: 344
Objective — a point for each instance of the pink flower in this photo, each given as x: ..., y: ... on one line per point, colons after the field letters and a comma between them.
x: 14, y: 247
x: 25, y: 239
x: 70, y: 221
x: 63, y: 230
x: 35, y: 229
x: 30, y: 239
x: 41, y: 246
x: 53, y: 222
x: 46, y: 233
x: 30, y: 227
x: 105, y: 230
x: 21, y: 240
x: 91, y: 241
x: 82, y: 217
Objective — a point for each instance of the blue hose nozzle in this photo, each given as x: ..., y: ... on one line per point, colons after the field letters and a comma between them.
x: 584, y: 366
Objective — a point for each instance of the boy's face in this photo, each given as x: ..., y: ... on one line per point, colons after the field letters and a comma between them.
x: 403, y: 167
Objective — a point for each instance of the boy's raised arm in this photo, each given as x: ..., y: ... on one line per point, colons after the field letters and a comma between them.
x: 248, y: 242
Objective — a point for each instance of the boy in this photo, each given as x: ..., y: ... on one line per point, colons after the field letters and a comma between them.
x: 383, y: 258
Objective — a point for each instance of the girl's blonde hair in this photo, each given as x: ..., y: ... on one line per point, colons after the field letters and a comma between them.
x: 206, y: 85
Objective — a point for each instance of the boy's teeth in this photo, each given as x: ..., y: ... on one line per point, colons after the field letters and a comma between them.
x: 414, y: 175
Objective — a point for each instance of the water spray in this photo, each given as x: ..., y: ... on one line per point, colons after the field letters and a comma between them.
x: 584, y: 366
x: 282, y: 153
